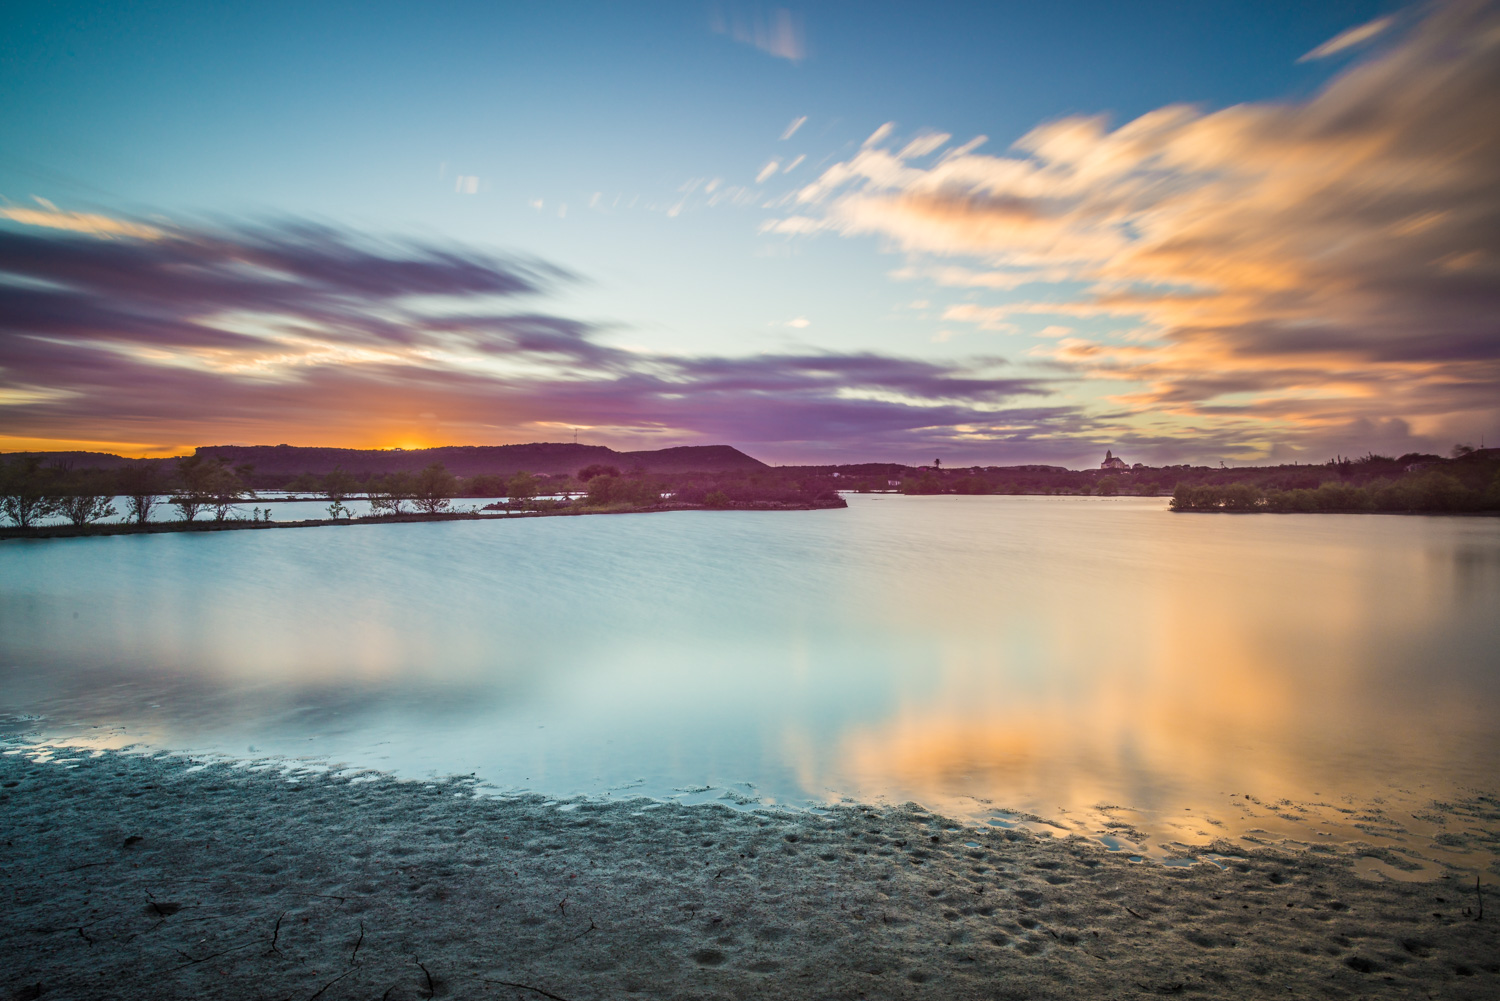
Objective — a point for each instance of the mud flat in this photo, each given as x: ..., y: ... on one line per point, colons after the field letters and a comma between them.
x: 131, y: 876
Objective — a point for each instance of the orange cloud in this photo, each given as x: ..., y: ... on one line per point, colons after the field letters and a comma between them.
x: 1350, y: 240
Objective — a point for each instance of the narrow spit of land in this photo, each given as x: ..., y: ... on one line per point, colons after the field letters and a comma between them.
x: 241, y: 524
x: 134, y: 876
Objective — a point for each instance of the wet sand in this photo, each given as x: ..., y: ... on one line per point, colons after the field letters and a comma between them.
x: 134, y: 877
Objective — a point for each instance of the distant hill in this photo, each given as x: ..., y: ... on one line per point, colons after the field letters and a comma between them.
x: 461, y: 460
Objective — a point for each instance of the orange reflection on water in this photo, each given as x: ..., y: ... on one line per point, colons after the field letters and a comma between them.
x: 1170, y: 675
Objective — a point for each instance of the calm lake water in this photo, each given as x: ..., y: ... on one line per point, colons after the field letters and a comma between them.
x: 1091, y: 665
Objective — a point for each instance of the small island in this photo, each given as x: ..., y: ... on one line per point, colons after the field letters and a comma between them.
x: 82, y: 495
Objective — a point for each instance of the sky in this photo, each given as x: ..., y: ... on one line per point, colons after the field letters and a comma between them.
x: 992, y: 234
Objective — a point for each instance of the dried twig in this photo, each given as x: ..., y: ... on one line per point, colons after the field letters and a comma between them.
x: 330, y: 983
x: 1135, y: 915
x: 276, y: 934
x: 580, y: 935
x: 431, y: 987
x: 194, y: 962
x: 526, y: 987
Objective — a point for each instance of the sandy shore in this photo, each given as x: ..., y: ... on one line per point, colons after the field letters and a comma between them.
x: 139, y: 877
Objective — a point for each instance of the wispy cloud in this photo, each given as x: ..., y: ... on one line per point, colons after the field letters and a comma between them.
x: 303, y: 333
x: 1349, y: 39
x: 50, y: 216
x: 791, y: 129
x: 1302, y: 268
x: 776, y: 32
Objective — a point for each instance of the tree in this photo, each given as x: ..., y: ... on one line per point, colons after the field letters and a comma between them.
x: 23, y: 497
x: 81, y: 509
x: 226, y: 487
x: 208, y: 483
x: 605, y: 491
x: 388, y: 493
x: 139, y: 484
x: 432, y: 489
x: 597, y: 469
x: 193, y: 471
x: 338, y: 485
x: 84, y: 496
x: 521, y: 487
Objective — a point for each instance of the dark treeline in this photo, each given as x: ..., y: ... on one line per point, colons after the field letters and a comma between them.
x: 1463, y: 486
x: 204, y: 485
x: 1467, y: 481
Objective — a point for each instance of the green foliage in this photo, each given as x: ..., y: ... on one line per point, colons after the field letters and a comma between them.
x: 432, y: 488
x: 483, y: 485
x: 522, y: 487
x: 597, y: 469
x: 338, y: 485
x: 928, y: 483
x: 389, y: 493
x: 1431, y: 491
x: 611, y: 491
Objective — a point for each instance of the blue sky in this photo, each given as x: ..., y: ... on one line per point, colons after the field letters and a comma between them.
x: 632, y: 147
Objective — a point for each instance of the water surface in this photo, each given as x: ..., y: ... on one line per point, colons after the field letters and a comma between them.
x: 1100, y: 666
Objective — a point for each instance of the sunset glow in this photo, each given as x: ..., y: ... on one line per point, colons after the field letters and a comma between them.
x: 1090, y: 238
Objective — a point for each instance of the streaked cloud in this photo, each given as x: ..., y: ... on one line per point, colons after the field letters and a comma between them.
x: 301, y: 333
x: 1349, y: 39
x: 777, y: 32
x: 1293, y: 271
x: 52, y: 217
x: 768, y: 171
x: 791, y: 129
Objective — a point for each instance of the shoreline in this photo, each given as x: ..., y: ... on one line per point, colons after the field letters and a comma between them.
x: 162, y: 876
x: 241, y: 524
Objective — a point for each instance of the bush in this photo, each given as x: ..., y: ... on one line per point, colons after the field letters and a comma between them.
x: 608, y: 491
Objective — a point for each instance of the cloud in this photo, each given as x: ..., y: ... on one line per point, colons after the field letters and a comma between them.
x: 1300, y: 266
x: 1345, y: 40
x: 791, y: 129
x: 777, y: 32
x: 767, y: 171
x: 302, y: 333
x: 52, y: 217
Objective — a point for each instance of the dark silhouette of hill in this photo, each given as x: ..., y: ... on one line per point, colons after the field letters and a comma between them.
x: 460, y: 460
